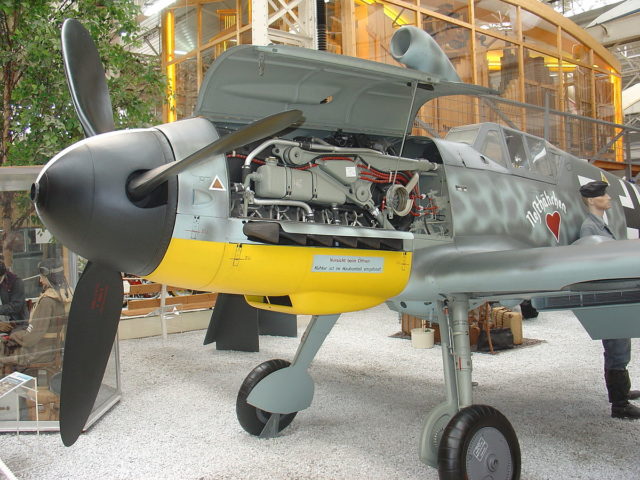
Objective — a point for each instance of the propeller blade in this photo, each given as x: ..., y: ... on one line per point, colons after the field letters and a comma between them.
x: 86, y: 79
x: 144, y: 183
x: 91, y: 329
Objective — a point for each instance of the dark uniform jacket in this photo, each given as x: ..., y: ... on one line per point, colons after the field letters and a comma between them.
x: 13, y: 301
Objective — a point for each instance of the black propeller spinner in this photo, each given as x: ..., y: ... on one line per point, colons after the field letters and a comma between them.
x: 68, y: 184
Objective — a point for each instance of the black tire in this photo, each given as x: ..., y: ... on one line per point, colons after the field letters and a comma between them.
x: 478, y: 443
x: 253, y: 419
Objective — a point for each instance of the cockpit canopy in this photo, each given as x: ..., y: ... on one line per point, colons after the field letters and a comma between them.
x: 514, y: 150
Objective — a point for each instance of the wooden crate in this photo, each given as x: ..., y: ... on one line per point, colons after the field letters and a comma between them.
x: 513, y: 320
x: 49, y: 406
x: 505, y: 318
x: 476, y: 317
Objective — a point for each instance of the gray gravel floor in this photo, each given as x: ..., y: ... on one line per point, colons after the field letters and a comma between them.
x: 177, y: 416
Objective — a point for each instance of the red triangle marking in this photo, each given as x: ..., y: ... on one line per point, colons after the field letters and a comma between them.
x: 217, y: 185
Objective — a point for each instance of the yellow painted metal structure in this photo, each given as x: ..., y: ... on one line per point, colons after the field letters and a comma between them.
x: 168, y: 47
x: 251, y: 270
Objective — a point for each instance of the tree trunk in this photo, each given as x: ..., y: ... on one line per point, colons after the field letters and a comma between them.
x: 7, y: 80
x: 6, y: 205
x: 8, y: 84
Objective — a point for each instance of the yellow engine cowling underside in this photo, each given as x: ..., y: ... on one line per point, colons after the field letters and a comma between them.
x: 289, y: 279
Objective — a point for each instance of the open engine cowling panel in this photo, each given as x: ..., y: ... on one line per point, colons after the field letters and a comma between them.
x: 348, y: 164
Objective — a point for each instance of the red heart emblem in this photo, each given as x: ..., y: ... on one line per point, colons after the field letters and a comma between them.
x: 553, y: 224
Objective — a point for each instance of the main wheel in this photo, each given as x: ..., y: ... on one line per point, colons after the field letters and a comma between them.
x: 479, y: 443
x: 253, y: 419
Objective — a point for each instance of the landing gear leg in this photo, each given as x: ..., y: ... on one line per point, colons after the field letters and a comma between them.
x: 453, y: 333
x: 460, y: 439
x: 271, y: 396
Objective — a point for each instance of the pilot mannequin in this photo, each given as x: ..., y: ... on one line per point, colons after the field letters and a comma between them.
x: 29, y: 345
x: 617, y: 352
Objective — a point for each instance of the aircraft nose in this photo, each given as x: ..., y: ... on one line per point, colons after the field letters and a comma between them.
x: 63, y: 195
x: 80, y: 196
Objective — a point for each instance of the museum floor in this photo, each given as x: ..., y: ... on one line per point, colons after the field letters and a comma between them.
x: 177, y: 418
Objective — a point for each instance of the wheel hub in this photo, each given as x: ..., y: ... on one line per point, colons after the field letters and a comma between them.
x: 489, y: 456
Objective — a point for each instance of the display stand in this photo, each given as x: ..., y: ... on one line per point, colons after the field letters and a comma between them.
x: 166, y: 311
x: 47, y: 401
x: 20, y: 385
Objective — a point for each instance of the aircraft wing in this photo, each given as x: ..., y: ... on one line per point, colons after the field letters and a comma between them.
x: 530, y: 270
x: 599, y: 282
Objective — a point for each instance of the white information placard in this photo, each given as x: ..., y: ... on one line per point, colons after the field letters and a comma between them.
x: 13, y: 381
x: 347, y: 264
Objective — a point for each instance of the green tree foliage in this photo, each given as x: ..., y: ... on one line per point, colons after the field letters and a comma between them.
x: 37, y: 113
x: 37, y: 116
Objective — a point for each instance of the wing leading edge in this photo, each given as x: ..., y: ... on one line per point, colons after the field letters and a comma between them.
x: 531, y: 270
x: 599, y: 282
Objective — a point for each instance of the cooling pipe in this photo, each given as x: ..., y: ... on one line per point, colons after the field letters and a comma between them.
x: 416, y: 49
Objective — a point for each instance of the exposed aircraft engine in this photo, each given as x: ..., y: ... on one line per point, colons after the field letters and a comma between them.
x: 315, y: 180
x: 273, y: 181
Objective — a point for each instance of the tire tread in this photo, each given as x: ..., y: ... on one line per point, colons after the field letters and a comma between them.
x: 458, y: 433
x: 246, y: 413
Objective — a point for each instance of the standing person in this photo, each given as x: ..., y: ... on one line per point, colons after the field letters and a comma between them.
x: 13, y: 308
x: 28, y: 345
x: 617, y: 352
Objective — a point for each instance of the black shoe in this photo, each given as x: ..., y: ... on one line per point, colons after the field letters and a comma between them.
x: 633, y: 394
x: 626, y: 411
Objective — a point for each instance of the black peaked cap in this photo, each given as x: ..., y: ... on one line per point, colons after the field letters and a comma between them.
x: 594, y: 189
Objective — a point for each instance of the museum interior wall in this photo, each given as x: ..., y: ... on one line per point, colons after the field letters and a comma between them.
x: 523, y: 49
